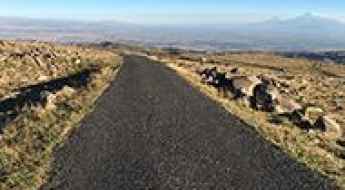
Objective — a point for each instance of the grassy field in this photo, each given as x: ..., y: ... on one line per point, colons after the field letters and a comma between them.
x: 310, y: 148
x: 27, y: 143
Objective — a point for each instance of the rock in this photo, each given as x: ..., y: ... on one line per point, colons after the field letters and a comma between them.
x: 235, y: 71
x: 244, y: 85
x: 298, y: 118
x: 339, y: 103
x: 43, y: 78
x: 203, y: 60
x: 67, y: 91
x: 287, y: 77
x: 328, y: 125
x: 209, y: 75
x: 276, y: 82
x: 39, y: 62
x: 154, y: 58
x: 77, y: 61
x: 53, y: 98
x: 283, y: 84
x: 199, y: 70
x: 50, y: 104
x: 313, y: 113
x: 269, y: 79
x: 286, y: 105
x: 265, y: 97
x: 341, y: 142
x: 305, y: 118
x: 3, y: 58
x: 336, y: 147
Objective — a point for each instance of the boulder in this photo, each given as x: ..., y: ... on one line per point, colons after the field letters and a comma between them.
x: 305, y: 118
x: 265, y: 97
x: 244, y: 85
x: 286, y: 105
x: 297, y: 117
x: 51, y: 99
x: 313, y: 113
x: 67, y: 92
x: 328, y: 125
x: 208, y: 76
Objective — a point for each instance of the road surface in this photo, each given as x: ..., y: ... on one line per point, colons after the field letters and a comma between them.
x: 151, y: 130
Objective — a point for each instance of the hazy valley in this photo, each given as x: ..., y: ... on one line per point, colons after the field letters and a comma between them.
x: 306, y: 32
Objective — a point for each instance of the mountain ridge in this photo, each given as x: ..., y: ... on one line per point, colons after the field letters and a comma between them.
x: 307, y: 31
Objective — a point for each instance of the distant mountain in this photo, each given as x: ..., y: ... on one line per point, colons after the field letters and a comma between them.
x: 307, y: 19
x: 307, y: 23
x: 305, y: 32
x: 63, y: 30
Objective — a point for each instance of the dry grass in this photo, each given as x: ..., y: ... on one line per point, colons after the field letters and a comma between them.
x: 25, y: 63
x: 309, y: 82
x: 293, y: 65
x: 308, y: 148
x: 27, y: 145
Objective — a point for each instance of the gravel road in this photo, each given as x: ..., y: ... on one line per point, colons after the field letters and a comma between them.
x: 151, y: 130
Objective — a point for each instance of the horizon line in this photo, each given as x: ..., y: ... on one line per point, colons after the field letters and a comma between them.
x: 126, y: 21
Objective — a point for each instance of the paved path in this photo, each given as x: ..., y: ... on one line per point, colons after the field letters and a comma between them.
x: 151, y: 130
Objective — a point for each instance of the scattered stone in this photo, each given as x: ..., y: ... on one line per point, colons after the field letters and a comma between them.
x: 277, y: 119
x: 265, y: 97
x: 339, y: 103
x: 244, y: 86
x: 3, y: 58
x: 203, y: 60
x: 286, y: 105
x: 235, y: 71
x: 67, y: 91
x: 341, y: 142
x: 329, y: 126
x: 50, y: 104
x: 272, y: 93
x: 39, y: 62
x: 313, y: 113
x: 298, y: 118
x: 209, y: 75
x: 43, y: 78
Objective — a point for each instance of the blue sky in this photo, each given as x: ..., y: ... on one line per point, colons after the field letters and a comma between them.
x: 171, y: 12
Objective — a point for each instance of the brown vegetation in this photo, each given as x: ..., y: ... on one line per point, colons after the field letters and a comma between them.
x: 27, y: 142
x: 315, y: 86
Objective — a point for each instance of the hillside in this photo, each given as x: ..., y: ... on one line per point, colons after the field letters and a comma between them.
x: 45, y: 91
x: 305, y: 90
